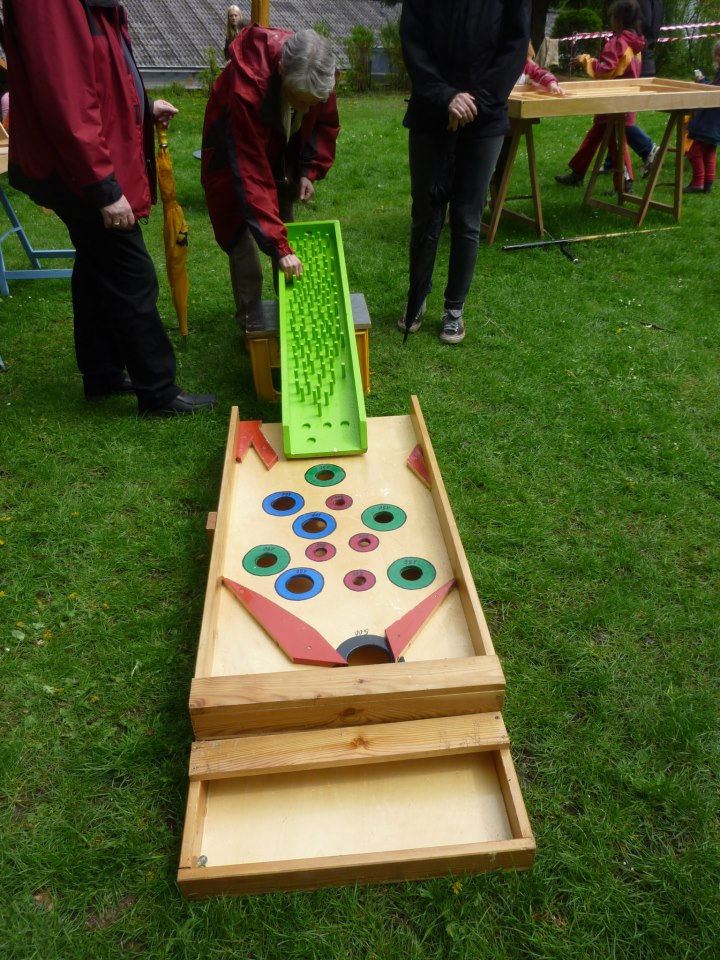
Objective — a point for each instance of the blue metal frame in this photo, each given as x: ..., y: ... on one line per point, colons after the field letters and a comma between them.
x: 38, y: 272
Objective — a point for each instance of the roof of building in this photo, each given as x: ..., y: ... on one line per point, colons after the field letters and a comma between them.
x: 174, y: 32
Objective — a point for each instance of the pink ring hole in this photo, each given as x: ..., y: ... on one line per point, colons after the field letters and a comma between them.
x: 321, y: 551
x: 339, y: 501
x: 359, y: 580
x: 364, y: 542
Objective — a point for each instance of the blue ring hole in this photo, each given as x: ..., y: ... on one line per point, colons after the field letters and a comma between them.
x: 299, y: 583
x: 283, y: 503
x: 313, y: 526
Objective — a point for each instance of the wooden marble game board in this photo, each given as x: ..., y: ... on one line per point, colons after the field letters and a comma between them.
x: 347, y: 696
x: 393, y: 766
x: 612, y: 96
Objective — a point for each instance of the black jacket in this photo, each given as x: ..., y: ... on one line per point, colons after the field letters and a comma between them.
x: 453, y: 46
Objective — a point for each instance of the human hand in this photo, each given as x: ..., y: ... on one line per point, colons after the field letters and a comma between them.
x: 118, y: 215
x: 291, y: 266
x: 163, y: 111
x: 555, y: 89
x: 461, y: 111
x: 306, y: 190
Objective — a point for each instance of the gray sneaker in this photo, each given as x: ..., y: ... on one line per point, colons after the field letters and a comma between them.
x: 649, y: 161
x: 417, y: 322
x: 452, y: 328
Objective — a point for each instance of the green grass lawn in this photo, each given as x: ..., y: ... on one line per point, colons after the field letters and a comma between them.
x: 577, y: 430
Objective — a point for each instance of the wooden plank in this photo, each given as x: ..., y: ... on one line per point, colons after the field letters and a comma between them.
x: 228, y: 706
x: 381, y: 743
x: 4, y: 149
x: 218, y: 723
x: 338, y: 871
x: 466, y: 586
x: 195, y: 812
x: 206, y: 644
x: 514, y: 803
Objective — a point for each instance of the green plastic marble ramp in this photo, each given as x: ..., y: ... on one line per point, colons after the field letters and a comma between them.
x: 323, y: 408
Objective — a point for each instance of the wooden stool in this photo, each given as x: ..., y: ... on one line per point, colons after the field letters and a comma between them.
x: 264, y: 346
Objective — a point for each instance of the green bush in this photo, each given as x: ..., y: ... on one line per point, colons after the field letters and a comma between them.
x: 209, y: 75
x: 323, y: 29
x: 359, y: 47
x: 390, y: 38
x: 570, y: 21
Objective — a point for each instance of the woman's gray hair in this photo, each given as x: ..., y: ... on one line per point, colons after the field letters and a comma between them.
x: 309, y: 65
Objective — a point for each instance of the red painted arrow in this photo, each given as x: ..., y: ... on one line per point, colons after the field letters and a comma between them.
x: 301, y: 642
x: 249, y: 435
x: 400, y: 634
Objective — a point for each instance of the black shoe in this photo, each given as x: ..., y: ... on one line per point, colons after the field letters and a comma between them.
x: 628, y: 187
x: 96, y: 391
x: 182, y: 404
x: 707, y: 188
x: 571, y: 179
x: 691, y: 189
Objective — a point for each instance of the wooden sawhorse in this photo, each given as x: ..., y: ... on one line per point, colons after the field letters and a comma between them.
x: 638, y: 205
x: 498, y: 191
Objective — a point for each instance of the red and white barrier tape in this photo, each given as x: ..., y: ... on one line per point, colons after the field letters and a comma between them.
x: 684, y: 26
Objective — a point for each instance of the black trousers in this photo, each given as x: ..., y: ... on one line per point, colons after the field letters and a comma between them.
x: 450, y: 169
x: 117, y: 324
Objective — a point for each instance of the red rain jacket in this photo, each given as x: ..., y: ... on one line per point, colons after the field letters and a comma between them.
x: 245, y: 150
x: 82, y: 131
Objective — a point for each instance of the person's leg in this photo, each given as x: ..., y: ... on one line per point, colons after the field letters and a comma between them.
x: 431, y: 160
x: 117, y: 324
x: 584, y: 154
x: 697, y: 165
x: 475, y: 161
x: 638, y: 141
x: 246, y: 277
x: 709, y: 158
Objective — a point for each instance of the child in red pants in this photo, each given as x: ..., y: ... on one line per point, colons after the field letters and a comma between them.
x: 704, y: 130
x: 619, y: 58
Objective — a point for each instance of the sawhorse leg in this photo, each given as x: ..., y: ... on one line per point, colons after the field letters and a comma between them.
x: 499, y: 197
x: 37, y: 271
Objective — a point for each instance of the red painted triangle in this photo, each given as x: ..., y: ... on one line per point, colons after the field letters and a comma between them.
x: 249, y: 435
x: 301, y: 642
x: 416, y: 462
x: 402, y: 632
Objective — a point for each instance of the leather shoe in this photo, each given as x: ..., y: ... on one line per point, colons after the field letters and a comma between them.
x: 98, y: 391
x: 182, y: 404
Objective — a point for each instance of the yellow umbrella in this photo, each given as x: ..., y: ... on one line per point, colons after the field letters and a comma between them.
x: 175, y: 232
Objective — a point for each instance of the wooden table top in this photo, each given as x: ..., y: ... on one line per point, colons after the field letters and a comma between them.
x: 584, y: 97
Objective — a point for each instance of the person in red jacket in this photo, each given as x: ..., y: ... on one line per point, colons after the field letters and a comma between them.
x: 619, y: 58
x: 82, y: 144
x: 270, y: 129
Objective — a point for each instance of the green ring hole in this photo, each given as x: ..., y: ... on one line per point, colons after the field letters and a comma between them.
x: 266, y: 560
x: 325, y: 475
x: 411, y: 573
x: 384, y: 516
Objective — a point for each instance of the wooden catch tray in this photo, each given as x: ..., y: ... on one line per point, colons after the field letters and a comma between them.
x: 358, y: 805
x: 246, y: 683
